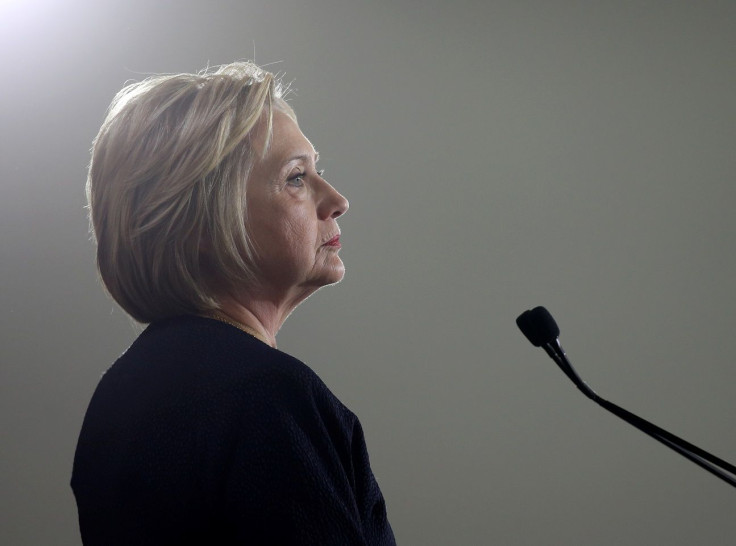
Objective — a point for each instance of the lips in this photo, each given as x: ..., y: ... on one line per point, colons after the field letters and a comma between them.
x: 334, y: 242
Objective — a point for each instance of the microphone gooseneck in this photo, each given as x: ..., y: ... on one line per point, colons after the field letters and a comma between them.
x: 542, y: 331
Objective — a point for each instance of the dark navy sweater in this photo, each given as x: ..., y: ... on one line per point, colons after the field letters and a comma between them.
x: 201, y: 434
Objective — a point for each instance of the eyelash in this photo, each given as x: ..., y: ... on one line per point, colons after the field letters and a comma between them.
x: 300, y: 177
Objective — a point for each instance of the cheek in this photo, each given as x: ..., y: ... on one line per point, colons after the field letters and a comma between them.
x: 299, y: 235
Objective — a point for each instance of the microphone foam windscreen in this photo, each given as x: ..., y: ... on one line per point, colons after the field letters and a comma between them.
x: 538, y: 326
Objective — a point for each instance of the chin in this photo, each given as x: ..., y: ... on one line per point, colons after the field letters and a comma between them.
x: 334, y: 277
x: 331, y: 275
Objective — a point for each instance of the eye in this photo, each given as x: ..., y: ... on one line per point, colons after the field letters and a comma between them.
x: 296, y: 180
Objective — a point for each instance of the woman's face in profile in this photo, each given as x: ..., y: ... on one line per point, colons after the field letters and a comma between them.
x: 291, y: 213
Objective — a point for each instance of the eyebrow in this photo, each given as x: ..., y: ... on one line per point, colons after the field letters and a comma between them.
x: 303, y: 157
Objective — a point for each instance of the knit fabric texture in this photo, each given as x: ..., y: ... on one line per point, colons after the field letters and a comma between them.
x: 201, y: 434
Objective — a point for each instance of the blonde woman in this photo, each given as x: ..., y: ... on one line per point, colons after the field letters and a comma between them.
x: 213, y: 222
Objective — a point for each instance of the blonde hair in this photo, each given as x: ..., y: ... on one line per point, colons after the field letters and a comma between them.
x: 166, y: 186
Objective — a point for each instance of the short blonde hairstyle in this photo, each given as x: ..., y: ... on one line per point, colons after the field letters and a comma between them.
x: 166, y: 187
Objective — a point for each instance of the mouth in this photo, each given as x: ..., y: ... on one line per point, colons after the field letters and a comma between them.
x: 334, y: 242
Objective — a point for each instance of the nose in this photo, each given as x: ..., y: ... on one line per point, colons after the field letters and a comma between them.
x: 332, y: 203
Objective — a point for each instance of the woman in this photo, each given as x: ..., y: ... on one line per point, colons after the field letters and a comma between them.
x: 212, y: 224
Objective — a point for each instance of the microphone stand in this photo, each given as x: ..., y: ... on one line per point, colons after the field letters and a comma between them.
x: 711, y: 463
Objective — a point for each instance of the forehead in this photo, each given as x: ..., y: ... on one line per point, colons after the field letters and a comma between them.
x: 287, y: 141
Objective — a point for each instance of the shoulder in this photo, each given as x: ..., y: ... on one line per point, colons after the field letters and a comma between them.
x: 189, y: 345
x: 216, y: 365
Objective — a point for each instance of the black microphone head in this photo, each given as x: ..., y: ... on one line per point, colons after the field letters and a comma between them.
x: 538, y: 326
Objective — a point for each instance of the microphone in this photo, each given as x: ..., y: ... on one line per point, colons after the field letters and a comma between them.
x: 542, y: 331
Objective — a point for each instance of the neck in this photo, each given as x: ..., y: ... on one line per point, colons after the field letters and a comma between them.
x: 263, y: 314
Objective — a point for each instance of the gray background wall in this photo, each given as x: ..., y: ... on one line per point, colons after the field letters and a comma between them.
x: 497, y: 155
